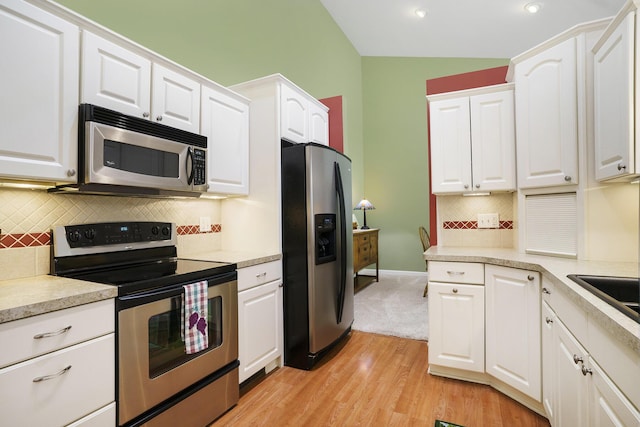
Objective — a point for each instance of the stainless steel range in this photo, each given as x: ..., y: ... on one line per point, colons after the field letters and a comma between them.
x: 159, y: 382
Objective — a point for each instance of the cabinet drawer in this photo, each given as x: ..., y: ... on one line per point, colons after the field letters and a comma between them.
x: 68, y: 395
x: 103, y: 417
x: 259, y: 274
x: 57, y: 330
x: 456, y: 272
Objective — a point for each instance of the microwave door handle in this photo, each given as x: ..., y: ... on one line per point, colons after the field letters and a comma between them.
x: 189, y: 162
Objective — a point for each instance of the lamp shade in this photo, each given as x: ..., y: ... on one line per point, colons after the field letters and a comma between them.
x: 364, y: 204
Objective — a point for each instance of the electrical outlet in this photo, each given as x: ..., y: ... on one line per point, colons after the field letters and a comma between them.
x: 488, y: 220
x: 205, y: 224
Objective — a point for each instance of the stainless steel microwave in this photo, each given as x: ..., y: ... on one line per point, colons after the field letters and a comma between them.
x: 121, y: 154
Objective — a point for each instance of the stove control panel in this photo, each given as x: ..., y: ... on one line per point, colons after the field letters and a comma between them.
x: 113, y: 233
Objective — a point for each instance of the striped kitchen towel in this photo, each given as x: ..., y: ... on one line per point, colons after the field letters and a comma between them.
x: 195, y: 317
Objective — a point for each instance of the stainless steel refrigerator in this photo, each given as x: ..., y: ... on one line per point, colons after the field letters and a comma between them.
x: 317, y: 242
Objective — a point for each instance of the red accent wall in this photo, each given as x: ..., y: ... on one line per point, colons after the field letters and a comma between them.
x: 473, y: 79
x: 336, y: 134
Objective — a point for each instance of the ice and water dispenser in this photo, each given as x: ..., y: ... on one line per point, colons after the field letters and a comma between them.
x: 325, y: 238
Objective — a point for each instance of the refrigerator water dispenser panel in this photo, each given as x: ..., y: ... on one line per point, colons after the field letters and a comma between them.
x: 325, y: 238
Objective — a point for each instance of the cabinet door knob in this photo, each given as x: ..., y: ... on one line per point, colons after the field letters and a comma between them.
x: 145, y: 114
x: 546, y: 291
x: 567, y: 178
x: 586, y: 371
x: 477, y: 185
x: 621, y: 166
x: 159, y: 118
x: 577, y: 359
x: 466, y: 186
x: 546, y: 319
x: 455, y: 291
x: 71, y: 172
x: 530, y: 277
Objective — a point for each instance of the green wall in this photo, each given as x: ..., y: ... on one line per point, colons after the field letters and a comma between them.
x: 384, y: 105
x: 396, y: 154
x: 232, y: 41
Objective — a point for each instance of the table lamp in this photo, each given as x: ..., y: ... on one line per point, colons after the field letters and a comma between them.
x: 364, y: 205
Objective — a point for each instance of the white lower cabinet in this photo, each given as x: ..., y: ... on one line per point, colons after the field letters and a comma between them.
x: 576, y: 389
x: 260, y: 334
x: 456, y: 319
x: 513, y: 328
x: 69, y: 376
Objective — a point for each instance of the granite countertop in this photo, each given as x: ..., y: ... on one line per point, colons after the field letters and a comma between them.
x: 31, y: 296
x: 26, y: 297
x: 556, y: 270
x: 240, y: 258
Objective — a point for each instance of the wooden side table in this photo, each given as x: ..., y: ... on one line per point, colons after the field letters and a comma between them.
x: 365, y: 249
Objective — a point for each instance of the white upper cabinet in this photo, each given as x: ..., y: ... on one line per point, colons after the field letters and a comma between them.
x: 318, y: 124
x: 225, y: 122
x: 472, y: 140
x: 117, y: 78
x: 175, y: 99
x: 39, y: 87
x: 547, y: 117
x: 614, y: 95
x: 295, y: 115
x: 114, y: 77
x: 303, y: 119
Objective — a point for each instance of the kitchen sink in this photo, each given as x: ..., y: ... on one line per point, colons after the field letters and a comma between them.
x: 622, y: 293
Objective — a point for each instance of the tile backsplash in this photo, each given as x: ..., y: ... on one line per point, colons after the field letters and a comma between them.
x: 27, y: 216
x: 458, y: 216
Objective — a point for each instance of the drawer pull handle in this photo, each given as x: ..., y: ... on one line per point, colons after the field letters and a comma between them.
x: 261, y: 275
x: 577, y: 359
x: 455, y: 273
x: 455, y: 291
x: 546, y: 319
x: 52, y: 376
x: 546, y: 291
x: 52, y: 334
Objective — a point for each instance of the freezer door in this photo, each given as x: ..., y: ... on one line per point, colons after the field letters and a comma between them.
x: 330, y: 283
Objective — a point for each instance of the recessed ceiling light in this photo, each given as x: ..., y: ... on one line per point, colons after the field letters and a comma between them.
x: 533, y: 7
x: 421, y: 13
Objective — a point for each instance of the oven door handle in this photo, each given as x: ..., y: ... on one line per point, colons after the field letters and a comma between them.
x: 145, y: 297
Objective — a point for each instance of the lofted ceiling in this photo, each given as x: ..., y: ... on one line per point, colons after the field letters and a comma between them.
x: 459, y: 28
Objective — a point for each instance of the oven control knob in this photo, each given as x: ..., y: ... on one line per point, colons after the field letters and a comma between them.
x: 90, y: 233
x: 166, y: 230
x: 155, y: 230
x: 73, y: 236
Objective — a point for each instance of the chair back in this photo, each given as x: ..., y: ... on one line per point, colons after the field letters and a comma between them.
x: 424, y: 238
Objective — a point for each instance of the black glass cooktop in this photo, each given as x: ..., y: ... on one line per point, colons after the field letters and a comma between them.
x: 132, y: 278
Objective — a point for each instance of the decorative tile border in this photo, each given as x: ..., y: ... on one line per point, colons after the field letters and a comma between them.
x: 25, y: 240
x: 184, y: 230
x: 473, y: 225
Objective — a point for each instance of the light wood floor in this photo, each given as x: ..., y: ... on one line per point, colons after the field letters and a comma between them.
x: 373, y: 380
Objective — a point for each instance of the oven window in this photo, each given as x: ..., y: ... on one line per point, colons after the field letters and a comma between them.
x: 166, y: 345
x: 142, y: 160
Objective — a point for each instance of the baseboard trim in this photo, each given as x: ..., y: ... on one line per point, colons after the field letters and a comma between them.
x: 372, y: 272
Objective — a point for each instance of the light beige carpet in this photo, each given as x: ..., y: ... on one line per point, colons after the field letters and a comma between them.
x: 393, y: 306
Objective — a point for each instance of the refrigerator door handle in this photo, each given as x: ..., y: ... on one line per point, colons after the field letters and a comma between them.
x: 343, y: 238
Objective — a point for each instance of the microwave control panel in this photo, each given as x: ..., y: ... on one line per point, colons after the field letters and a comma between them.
x: 199, y: 167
